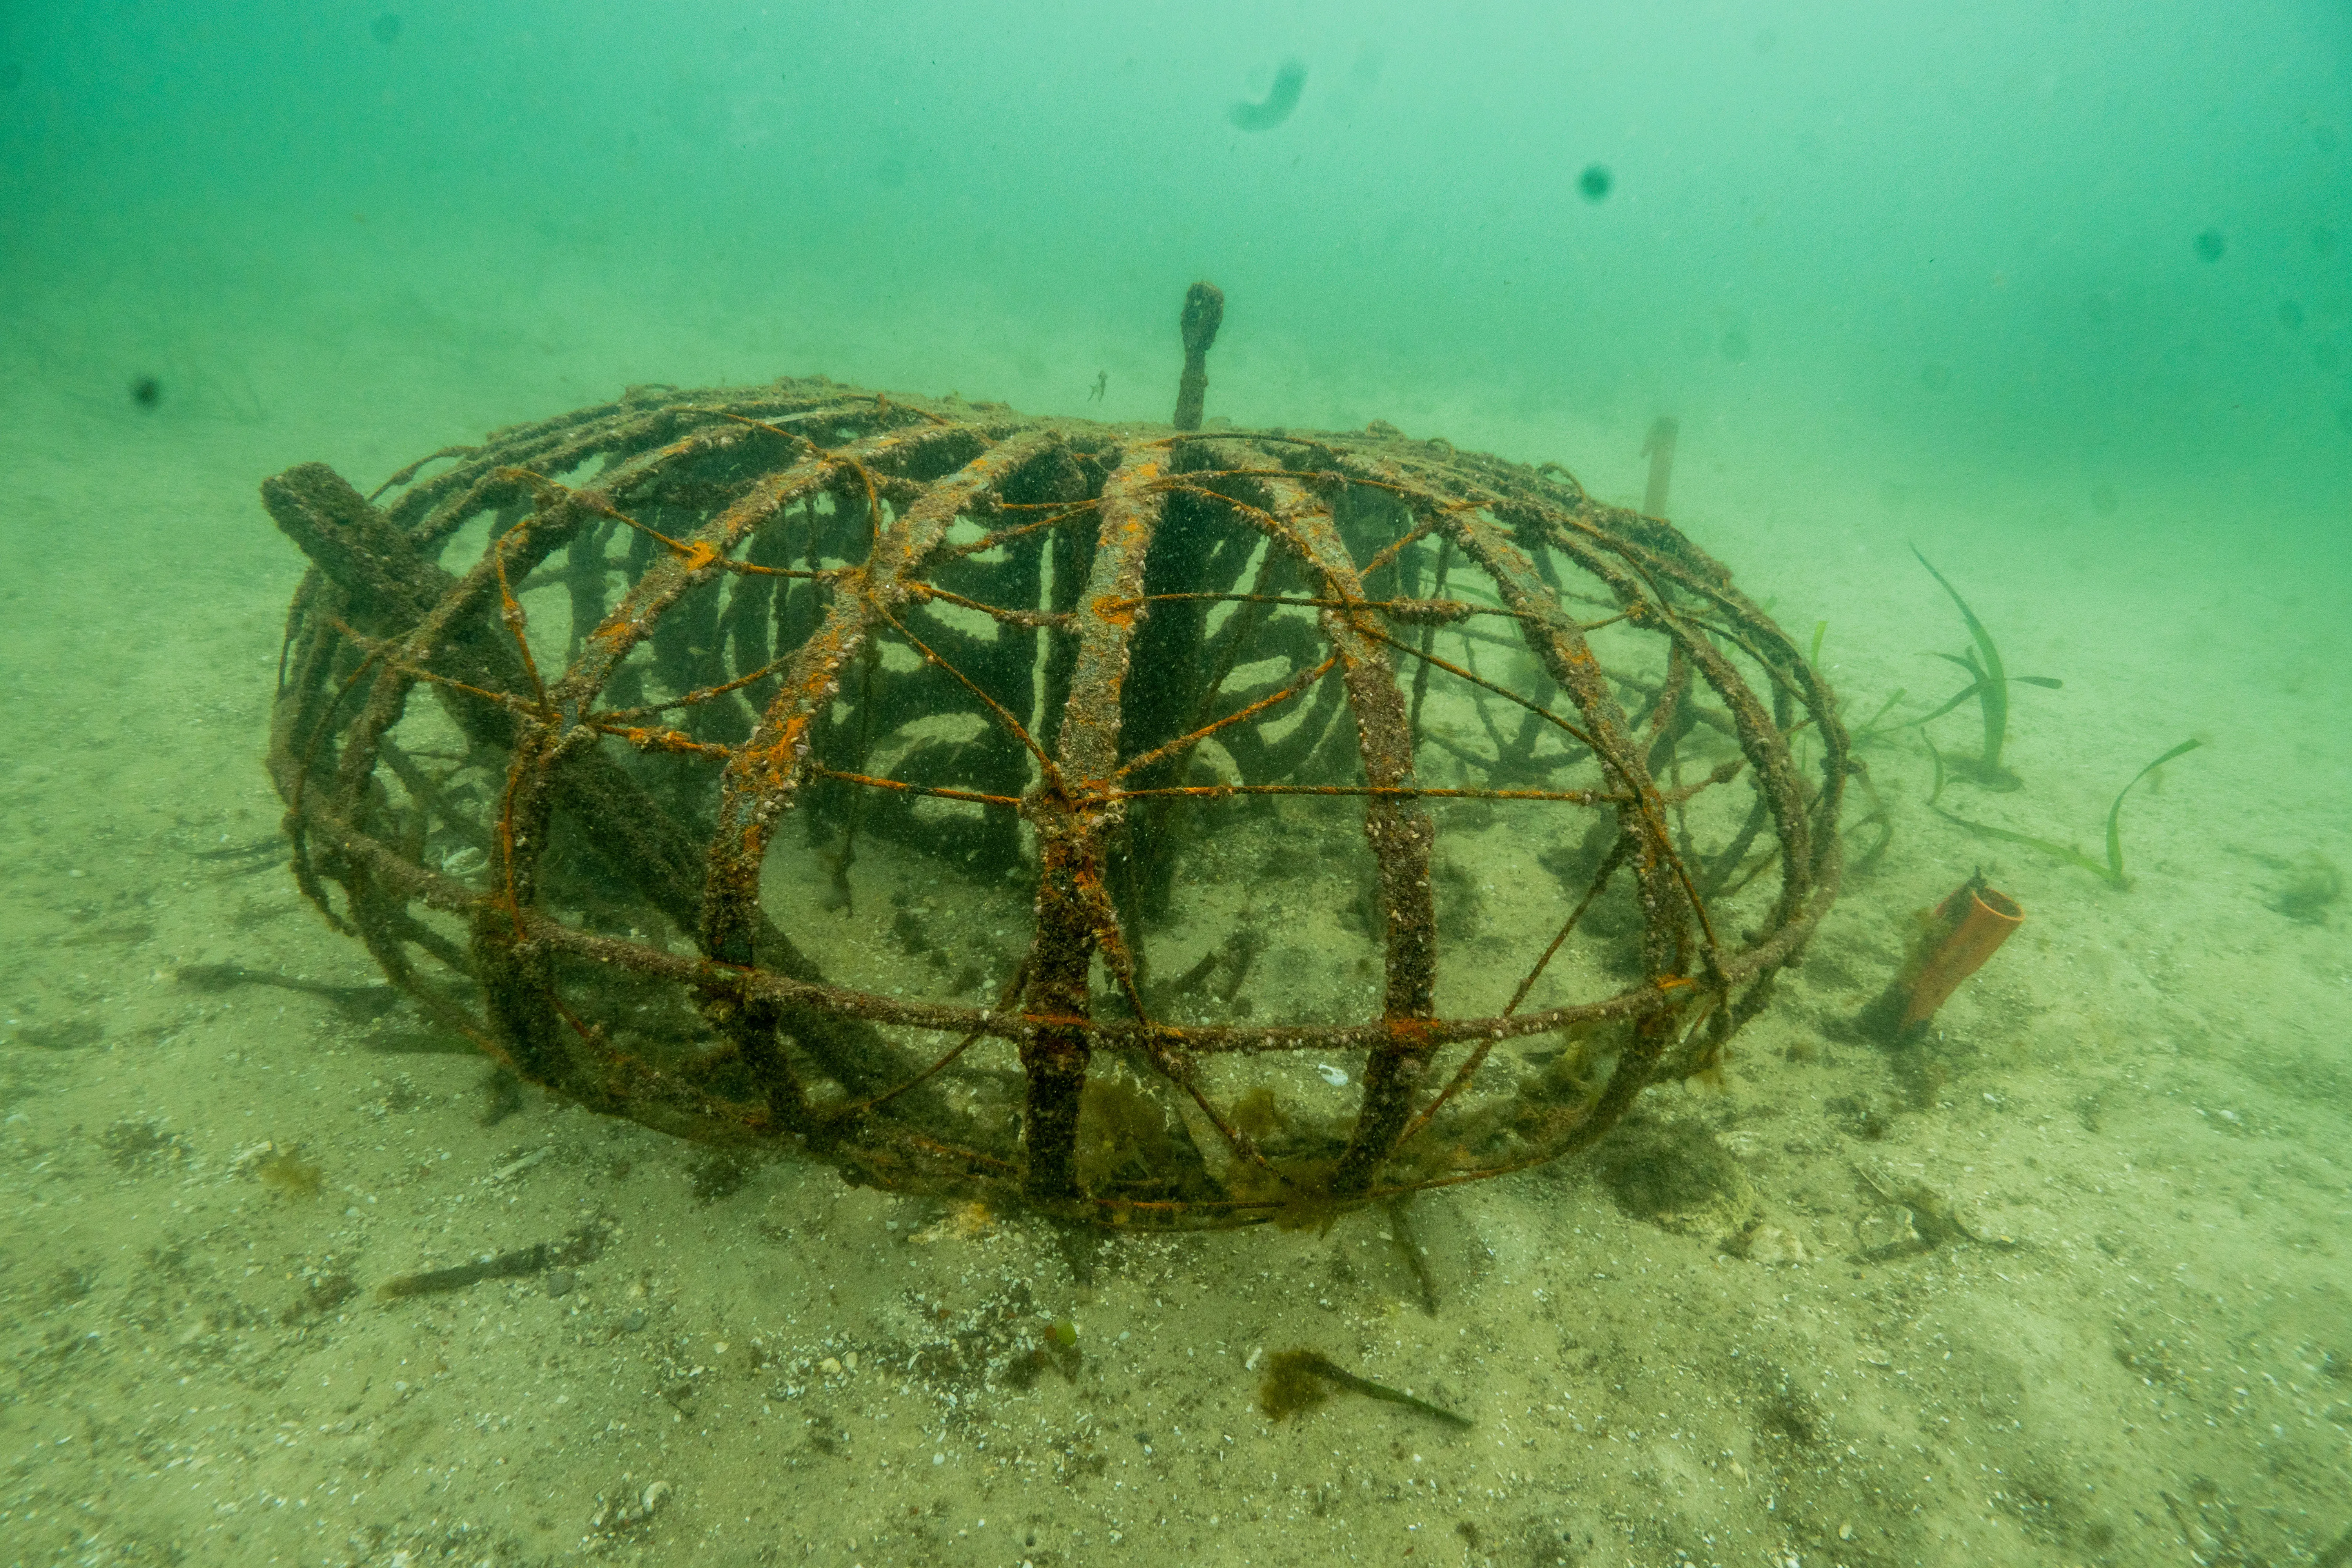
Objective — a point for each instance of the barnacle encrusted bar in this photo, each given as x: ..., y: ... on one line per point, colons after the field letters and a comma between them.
x: 615, y: 737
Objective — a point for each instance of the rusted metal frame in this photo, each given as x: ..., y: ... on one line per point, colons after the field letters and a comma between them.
x: 378, y: 918
x: 1144, y: 1034
x: 901, y: 786
x: 1666, y: 727
x: 1538, y: 709
x: 1432, y: 508
x: 527, y: 800
x: 535, y: 1048
x: 517, y: 980
x: 633, y: 619
x: 1428, y: 632
x: 699, y: 555
x: 406, y: 660
x: 1078, y: 806
x: 441, y: 891
x: 1296, y: 686
x: 525, y: 809
x: 1243, y: 624
x: 644, y: 450
x: 638, y: 434
x: 1400, y: 838
x: 1311, y: 477
x: 1006, y: 997
x: 446, y: 893
x: 1723, y: 773
x: 1570, y: 660
x: 1716, y: 875
x: 973, y: 1164
x: 293, y: 771
x: 1158, y: 1046
x: 1074, y: 811
x: 418, y: 674
x: 1555, y: 638
x: 1421, y: 529
x: 314, y: 649
x: 412, y: 469
x: 873, y: 499
x: 1413, y: 612
x: 617, y: 425
x: 1235, y: 634
x: 646, y: 740
x: 1758, y: 736
x: 1478, y: 1053
x: 1718, y: 722
x: 434, y: 511
x: 1798, y: 680
x: 1033, y: 620
x: 1244, y: 437
x: 1637, y: 1065
x: 1790, y: 670
x: 1782, y: 680
x: 298, y: 615
x: 1664, y: 933
x: 1608, y: 869
x: 701, y: 694
x: 517, y: 624
x: 516, y: 977
x: 990, y: 540
x: 425, y: 792
x: 773, y: 427
x: 1002, y: 714
x: 1375, y: 792
x: 1670, y: 695
x: 426, y: 510
x: 761, y: 779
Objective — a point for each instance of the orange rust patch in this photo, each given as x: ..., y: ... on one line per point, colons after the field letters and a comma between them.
x: 1413, y: 1033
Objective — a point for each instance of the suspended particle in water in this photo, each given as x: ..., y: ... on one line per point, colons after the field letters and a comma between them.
x: 2290, y: 315
x: 1595, y: 181
x: 2104, y: 500
x: 2210, y: 244
x: 385, y: 28
x: 1289, y: 81
x: 146, y: 391
x: 2323, y: 240
x: 1934, y: 377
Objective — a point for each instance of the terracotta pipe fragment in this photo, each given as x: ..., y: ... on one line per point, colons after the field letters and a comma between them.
x: 1961, y: 933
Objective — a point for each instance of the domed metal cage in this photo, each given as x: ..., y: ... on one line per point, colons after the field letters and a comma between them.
x: 1166, y: 827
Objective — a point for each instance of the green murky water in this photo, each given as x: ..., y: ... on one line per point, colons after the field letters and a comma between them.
x: 2055, y: 293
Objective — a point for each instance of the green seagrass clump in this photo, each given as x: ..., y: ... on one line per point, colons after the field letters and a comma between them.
x: 1989, y: 684
x: 2110, y: 871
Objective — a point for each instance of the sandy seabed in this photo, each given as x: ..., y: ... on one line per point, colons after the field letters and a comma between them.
x: 2067, y: 1286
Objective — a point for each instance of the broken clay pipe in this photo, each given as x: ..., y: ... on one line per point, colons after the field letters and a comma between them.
x: 1962, y: 931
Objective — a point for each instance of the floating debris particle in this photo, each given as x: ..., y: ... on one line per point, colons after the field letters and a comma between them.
x: 1289, y: 81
